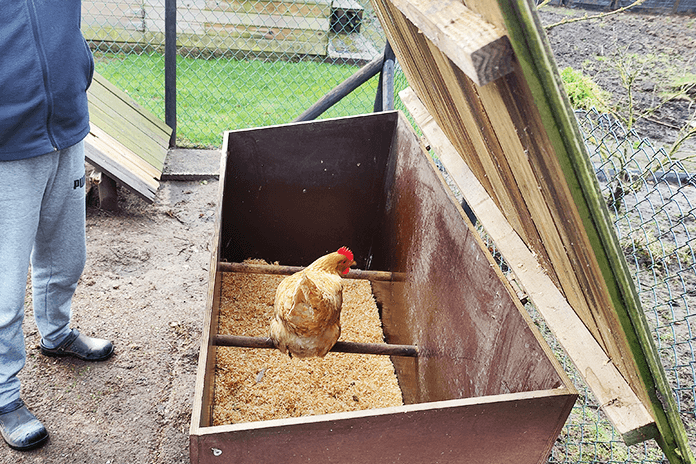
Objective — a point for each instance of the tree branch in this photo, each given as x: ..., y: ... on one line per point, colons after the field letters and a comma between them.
x: 587, y: 17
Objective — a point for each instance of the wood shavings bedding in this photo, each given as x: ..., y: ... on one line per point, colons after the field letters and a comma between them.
x: 261, y: 384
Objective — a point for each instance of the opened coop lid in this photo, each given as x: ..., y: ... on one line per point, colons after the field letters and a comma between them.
x: 487, y: 95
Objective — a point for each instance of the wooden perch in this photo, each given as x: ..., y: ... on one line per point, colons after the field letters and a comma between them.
x: 481, y: 50
x: 340, y: 347
x: 288, y: 270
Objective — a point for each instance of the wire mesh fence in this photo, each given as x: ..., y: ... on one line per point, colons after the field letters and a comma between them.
x: 652, y: 198
x: 254, y: 63
x: 652, y: 201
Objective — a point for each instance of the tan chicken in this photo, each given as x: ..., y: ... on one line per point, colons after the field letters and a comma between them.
x: 307, y: 309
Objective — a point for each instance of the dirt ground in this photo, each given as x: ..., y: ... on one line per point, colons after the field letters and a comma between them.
x: 144, y: 287
x: 657, y: 49
x: 145, y: 283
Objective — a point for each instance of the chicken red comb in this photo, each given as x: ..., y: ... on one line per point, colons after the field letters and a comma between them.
x: 346, y: 252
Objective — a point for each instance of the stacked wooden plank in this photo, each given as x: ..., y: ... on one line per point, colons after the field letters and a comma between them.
x: 264, y: 26
x: 119, y: 21
x: 126, y: 142
x: 518, y: 137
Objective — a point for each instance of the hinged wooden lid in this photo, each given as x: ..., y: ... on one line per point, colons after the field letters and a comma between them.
x: 487, y: 90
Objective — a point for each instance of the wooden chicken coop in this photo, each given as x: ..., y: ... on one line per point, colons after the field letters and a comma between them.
x: 478, y: 382
x: 366, y: 181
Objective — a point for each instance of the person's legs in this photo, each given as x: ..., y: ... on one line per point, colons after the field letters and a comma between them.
x: 58, y: 260
x: 22, y: 186
x: 59, y: 254
x: 42, y: 221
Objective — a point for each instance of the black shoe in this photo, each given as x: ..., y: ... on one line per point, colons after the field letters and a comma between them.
x: 20, y: 428
x: 81, y: 347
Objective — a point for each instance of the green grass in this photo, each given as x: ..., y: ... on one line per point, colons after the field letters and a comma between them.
x: 582, y: 91
x: 226, y: 94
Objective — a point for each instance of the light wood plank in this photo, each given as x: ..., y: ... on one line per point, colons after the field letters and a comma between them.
x: 116, y: 103
x: 145, y: 113
x: 129, y: 135
x: 494, y: 157
x: 481, y: 50
x: 113, y: 147
x: 126, y: 141
x: 102, y: 154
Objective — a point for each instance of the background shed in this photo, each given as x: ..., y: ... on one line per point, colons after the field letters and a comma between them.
x: 276, y: 26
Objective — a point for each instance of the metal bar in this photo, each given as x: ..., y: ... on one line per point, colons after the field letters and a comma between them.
x: 340, y: 347
x: 288, y: 270
x: 341, y: 90
x: 170, y: 68
x: 384, y: 99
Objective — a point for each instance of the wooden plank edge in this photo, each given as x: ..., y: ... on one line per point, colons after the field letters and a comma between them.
x: 482, y: 51
x: 535, y: 56
x: 623, y: 408
x: 207, y: 349
x: 390, y: 410
x: 95, y: 154
x: 130, y: 160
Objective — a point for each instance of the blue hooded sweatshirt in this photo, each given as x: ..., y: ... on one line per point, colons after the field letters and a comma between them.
x: 45, y: 70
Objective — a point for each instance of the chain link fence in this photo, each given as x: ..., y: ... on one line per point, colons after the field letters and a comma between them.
x: 652, y: 201
x: 651, y: 196
x: 240, y: 63
x: 253, y: 63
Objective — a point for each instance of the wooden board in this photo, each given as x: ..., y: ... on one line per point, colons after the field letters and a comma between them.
x: 479, y: 49
x: 518, y: 140
x: 126, y: 142
x: 475, y: 430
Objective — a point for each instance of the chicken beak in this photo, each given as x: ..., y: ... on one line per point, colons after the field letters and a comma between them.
x: 352, y: 263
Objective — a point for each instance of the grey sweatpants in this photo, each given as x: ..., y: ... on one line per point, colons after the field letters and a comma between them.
x: 42, y: 221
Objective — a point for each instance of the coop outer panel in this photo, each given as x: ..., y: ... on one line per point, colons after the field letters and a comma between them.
x: 521, y: 397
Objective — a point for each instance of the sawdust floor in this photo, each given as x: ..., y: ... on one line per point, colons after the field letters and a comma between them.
x: 263, y: 384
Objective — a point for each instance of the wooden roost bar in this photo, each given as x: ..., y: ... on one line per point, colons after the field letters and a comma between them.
x: 484, y: 384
